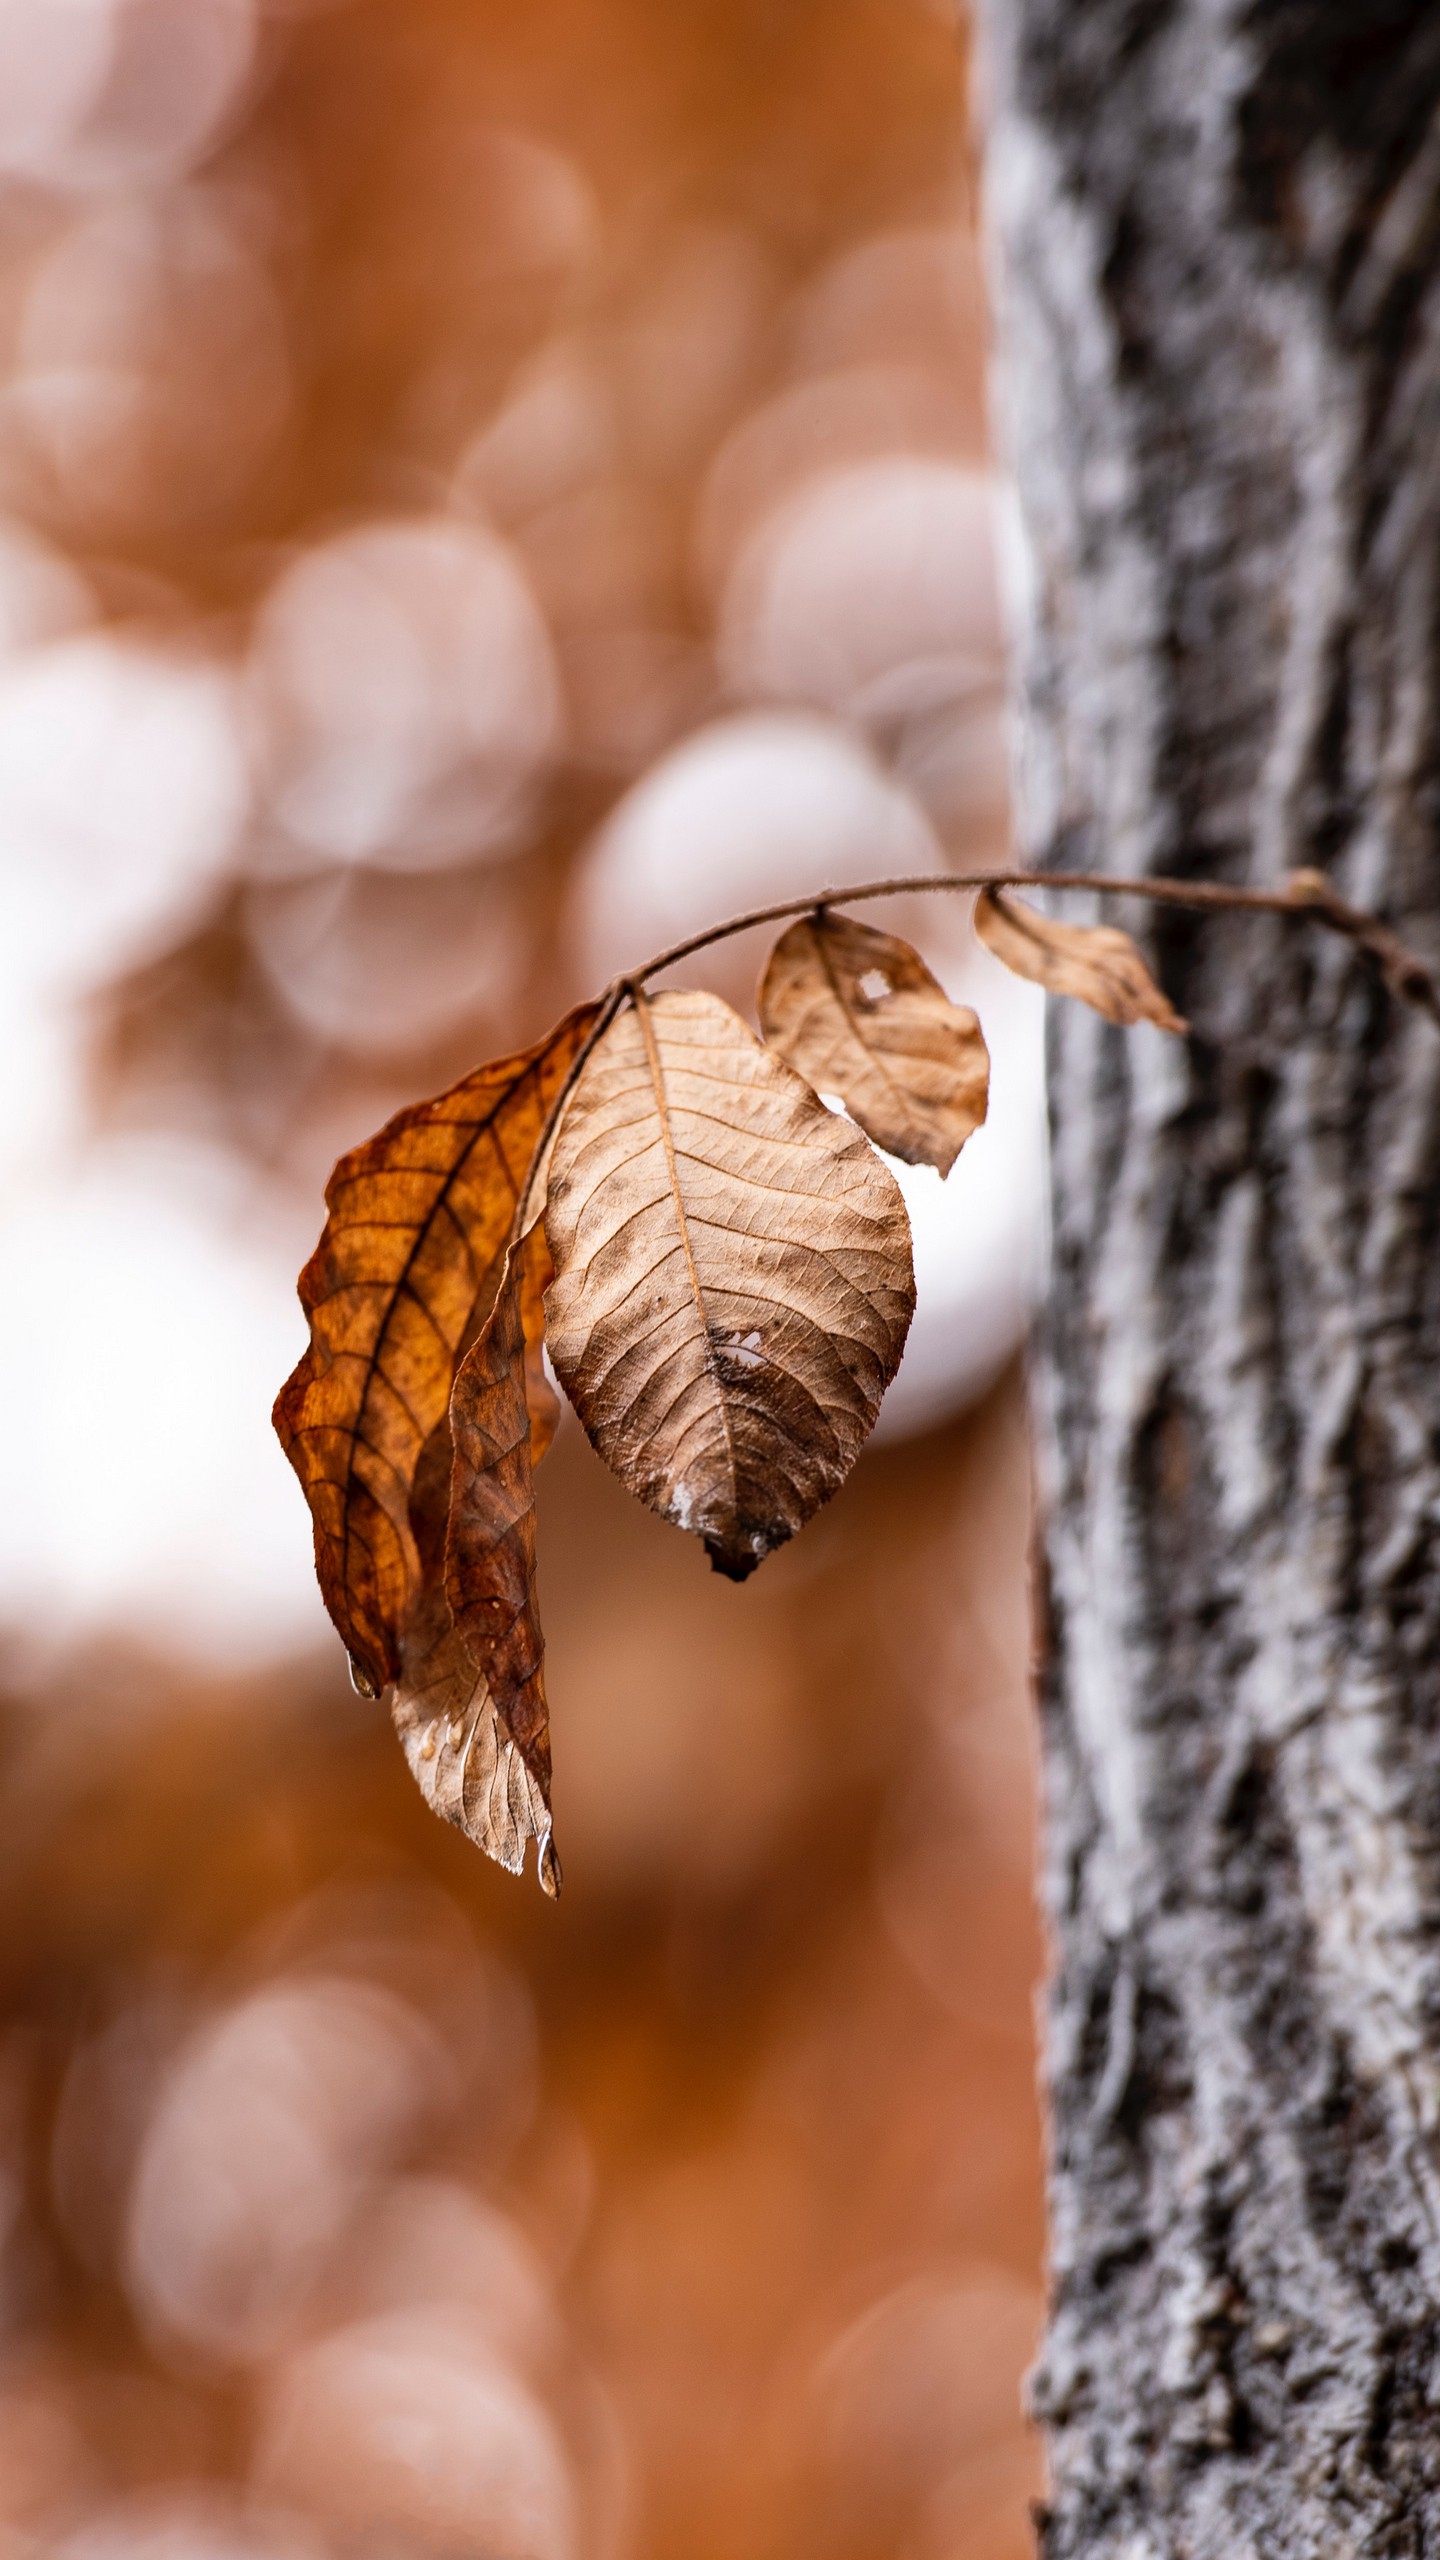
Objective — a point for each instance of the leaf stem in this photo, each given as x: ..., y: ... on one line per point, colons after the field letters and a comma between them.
x: 610, y: 1003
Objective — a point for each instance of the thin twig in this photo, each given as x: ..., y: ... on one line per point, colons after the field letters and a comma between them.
x: 1306, y: 893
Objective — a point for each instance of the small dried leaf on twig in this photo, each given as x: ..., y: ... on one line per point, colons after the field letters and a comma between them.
x: 733, y: 1277
x: 418, y: 1223
x: 1096, y: 962
x: 857, y: 1013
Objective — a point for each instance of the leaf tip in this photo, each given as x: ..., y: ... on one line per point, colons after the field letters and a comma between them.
x: 362, y: 1680
x: 548, y: 1864
x: 737, y: 1563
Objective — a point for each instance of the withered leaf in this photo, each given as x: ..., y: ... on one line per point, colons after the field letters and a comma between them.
x: 468, y: 1770
x: 411, y: 1252
x: 1096, y: 962
x: 502, y: 1418
x: 469, y: 1705
x: 733, y: 1278
x: 857, y: 1013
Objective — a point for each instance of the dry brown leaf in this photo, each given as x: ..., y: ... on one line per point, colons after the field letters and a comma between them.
x: 857, y: 1013
x: 468, y: 1770
x: 469, y: 1705
x: 502, y: 1418
x: 1096, y: 962
x: 733, y: 1278
x: 418, y: 1224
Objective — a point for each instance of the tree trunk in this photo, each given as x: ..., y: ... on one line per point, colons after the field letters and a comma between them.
x: 1219, y: 236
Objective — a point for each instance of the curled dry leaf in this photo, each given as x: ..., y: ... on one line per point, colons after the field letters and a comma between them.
x: 857, y: 1013
x: 468, y: 1770
x: 1096, y: 962
x: 469, y: 1705
x: 419, y: 1218
x: 733, y: 1277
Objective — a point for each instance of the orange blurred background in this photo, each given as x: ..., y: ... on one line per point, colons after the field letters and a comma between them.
x: 483, y: 491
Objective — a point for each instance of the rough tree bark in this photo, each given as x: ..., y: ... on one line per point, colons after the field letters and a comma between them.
x: 1219, y: 235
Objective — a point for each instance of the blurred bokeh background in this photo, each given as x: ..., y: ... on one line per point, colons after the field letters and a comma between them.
x: 483, y: 490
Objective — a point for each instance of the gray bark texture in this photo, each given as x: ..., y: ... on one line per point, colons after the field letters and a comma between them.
x: 1218, y: 235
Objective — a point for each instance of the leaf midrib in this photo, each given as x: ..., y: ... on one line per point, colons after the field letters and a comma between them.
x: 873, y: 1057
x: 662, y: 1112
